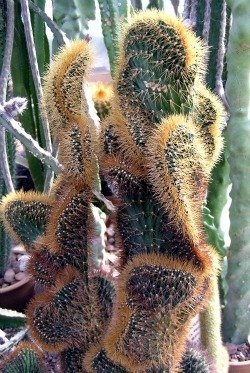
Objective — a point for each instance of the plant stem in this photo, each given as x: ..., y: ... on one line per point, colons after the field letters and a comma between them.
x: 193, y: 12
x: 58, y: 34
x: 35, y: 73
x: 5, y: 170
x: 16, y: 129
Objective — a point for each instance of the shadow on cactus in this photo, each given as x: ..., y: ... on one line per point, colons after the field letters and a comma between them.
x: 156, y: 149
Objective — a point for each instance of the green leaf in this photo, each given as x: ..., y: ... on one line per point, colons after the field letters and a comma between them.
x: 11, y: 319
x: 21, y: 77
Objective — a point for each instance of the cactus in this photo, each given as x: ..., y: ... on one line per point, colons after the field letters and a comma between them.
x: 5, y: 242
x: 236, y: 324
x: 25, y: 358
x: 158, y: 4
x: 152, y: 85
x: 25, y: 215
x: 112, y: 14
x: 155, y: 155
x: 196, y: 361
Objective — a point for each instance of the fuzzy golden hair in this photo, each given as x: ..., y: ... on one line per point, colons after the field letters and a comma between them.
x: 63, y: 100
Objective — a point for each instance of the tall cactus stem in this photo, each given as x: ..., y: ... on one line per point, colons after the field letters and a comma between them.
x: 110, y: 23
x: 236, y: 321
x: 210, y: 321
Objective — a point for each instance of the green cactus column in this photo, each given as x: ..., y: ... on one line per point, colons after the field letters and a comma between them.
x: 236, y: 323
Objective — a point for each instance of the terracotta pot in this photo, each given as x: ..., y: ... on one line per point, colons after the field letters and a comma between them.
x: 17, y: 296
x: 239, y: 367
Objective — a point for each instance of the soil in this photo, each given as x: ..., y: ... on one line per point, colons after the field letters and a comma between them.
x: 238, y: 352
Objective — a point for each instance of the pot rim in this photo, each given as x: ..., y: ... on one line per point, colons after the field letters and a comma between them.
x: 241, y: 363
x: 16, y: 285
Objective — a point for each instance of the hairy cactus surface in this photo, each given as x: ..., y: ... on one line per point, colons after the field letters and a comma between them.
x: 155, y: 150
x: 25, y: 215
x: 196, y: 361
x: 154, y: 82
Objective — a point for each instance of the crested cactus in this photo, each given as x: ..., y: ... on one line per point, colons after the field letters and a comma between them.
x: 25, y: 215
x: 156, y: 152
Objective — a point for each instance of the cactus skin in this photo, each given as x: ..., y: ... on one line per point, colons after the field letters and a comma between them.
x: 43, y: 265
x: 76, y: 154
x: 158, y: 4
x: 196, y: 361
x: 71, y: 360
x: 25, y: 215
x: 63, y: 101
x: 178, y: 171
x: 149, y: 85
x: 147, y: 322
x: 5, y: 242
x: 236, y: 321
x: 25, y: 358
x: 110, y: 24
x: 210, y: 330
x: 48, y: 312
x: 142, y: 223
x: 117, y: 140
x: 69, y: 226
x: 96, y: 360
x: 208, y: 117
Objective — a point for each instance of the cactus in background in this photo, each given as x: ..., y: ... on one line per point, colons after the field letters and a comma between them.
x: 236, y: 325
x: 25, y: 358
x: 72, y: 17
x: 156, y: 153
x: 113, y: 13
x: 157, y: 4
x: 5, y: 243
x: 209, y: 20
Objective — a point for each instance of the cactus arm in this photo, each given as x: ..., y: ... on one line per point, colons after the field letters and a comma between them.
x: 21, y: 88
x: 157, y: 4
x: 200, y: 14
x: 58, y: 34
x: 7, y: 146
x: 137, y: 4
x: 210, y: 320
x: 110, y: 23
x: 25, y: 215
x: 214, y: 40
x: 35, y: 68
x: 25, y: 358
x: 236, y: 323
x: 7, y: 16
